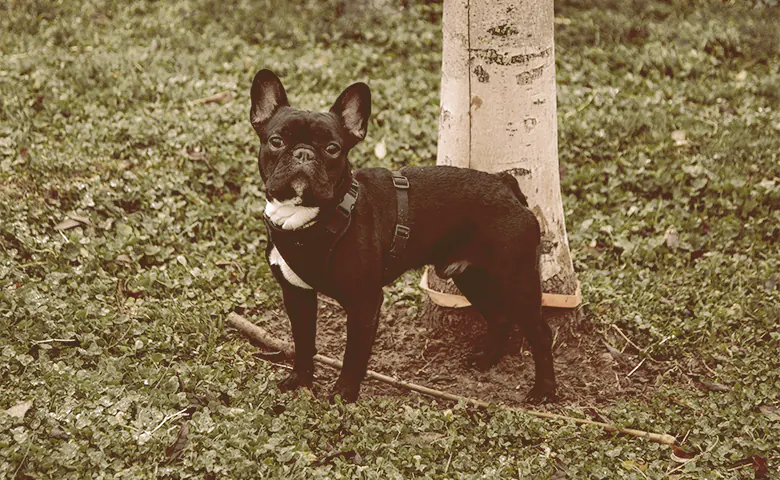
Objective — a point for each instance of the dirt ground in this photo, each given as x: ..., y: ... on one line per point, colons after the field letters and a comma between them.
x: 588, y: 374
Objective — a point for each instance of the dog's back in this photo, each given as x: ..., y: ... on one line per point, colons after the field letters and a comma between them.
x: 510, y: 181
x: 458, y: 214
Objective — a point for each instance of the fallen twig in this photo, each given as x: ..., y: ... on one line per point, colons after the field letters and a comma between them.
x: 148, y: 434
x: 626, y: 338
x: 330, y: 302
x: 258, y: 334
x: 217, y: 97
x: 636, y: 368
x: 53, y: 340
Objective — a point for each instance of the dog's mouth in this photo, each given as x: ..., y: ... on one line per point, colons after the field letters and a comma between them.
x: 299, y: 189
x: 298, y: 185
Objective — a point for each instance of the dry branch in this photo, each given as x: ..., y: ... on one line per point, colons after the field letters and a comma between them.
x: 217, y: 97
x: 259, y: 335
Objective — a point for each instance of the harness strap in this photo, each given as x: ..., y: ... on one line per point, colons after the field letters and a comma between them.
x: 323, y: 237
x: 341, y: 219
x: 401, y: 235
x: 338, y: 222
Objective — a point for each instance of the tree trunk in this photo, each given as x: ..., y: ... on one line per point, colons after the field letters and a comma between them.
x: 498, y: 114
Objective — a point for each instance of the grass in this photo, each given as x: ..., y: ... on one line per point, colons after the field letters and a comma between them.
x: 669, y: 137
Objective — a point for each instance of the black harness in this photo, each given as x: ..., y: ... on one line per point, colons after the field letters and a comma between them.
x: 401, y: 235
x: 305, y: 248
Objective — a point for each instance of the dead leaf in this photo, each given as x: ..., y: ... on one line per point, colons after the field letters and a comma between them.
x: 758, y: 463
x: 348, y: 455
x: 80, y: 219
x: 679, y: 455
x: 679, y: 137
x: 697, y: 254
x: 19, y: 410
x: 714, y: 386
x: 194, y: 155
x: 760, y: 466
x: 58, y: 433
x: 134, y: 293
x: 741, y: 77
x: 672, y: 238
x: 67, y: 224
x: 614, y: 352
x: 770, y: 411
x: 123, y: 259
x: 380, y: 150
x: 182, y: 440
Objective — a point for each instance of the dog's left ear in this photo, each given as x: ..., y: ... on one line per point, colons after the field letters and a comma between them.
x: 268, y: 96
x: 353, y: 107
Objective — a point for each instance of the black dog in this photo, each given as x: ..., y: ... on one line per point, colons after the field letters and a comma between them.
x: 347, y: 235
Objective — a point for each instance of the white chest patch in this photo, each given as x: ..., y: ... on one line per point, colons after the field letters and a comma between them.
x: 289, y: 275
x: 290, y: 214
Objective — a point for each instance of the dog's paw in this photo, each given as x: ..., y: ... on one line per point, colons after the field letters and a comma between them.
x: 348, y: 393
x: 543, y: 392
x: 293, y: 381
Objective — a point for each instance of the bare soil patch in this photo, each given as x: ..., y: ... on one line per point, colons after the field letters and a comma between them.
x: 439, y: 357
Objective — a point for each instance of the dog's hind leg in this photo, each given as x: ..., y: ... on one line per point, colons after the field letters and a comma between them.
x: 503, y: 301
x: 483, y: 292
x: 524, y: 303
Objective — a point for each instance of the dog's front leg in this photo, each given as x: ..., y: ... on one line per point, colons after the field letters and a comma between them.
x: 362, y: 322
x: 301, y: 306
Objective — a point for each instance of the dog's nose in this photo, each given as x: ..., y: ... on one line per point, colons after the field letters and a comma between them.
x: 303, y: 154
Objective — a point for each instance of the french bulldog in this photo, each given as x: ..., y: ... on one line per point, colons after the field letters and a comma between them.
x: 472, y: 226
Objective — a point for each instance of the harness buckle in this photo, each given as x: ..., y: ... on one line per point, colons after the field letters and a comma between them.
x: 401, y: 182
x: 402, y: 231
x: 344, y: 209
x: 353, y: 189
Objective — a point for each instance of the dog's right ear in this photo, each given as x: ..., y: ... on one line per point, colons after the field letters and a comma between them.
x: 268, y: 96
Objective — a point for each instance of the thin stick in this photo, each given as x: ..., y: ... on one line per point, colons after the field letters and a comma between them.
x: 635, y: 368
x: 626, y: 338
x: 52, y: 340
x: 164, y: 421
x: 330, y: 302
x: 217, y: 97
x: 260, y: 335
x: 26, y: 452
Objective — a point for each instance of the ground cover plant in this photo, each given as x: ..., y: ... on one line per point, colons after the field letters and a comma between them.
x: 130, y: 226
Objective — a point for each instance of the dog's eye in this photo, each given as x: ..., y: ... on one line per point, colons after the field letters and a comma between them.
x: 276, y: 141
x: 333, y: 149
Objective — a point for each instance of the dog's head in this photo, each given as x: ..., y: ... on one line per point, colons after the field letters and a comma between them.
x: 303, y: 154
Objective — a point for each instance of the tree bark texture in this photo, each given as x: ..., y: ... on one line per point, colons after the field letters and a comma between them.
x: 498, y: 114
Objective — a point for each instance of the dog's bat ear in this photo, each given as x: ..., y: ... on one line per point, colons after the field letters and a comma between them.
x: 268, y: 96
x: 353, y: 107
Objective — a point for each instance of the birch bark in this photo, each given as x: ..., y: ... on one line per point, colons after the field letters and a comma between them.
x: 498, y: 113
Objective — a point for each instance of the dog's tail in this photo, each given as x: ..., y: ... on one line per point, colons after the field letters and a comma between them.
x: 510, y: 182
